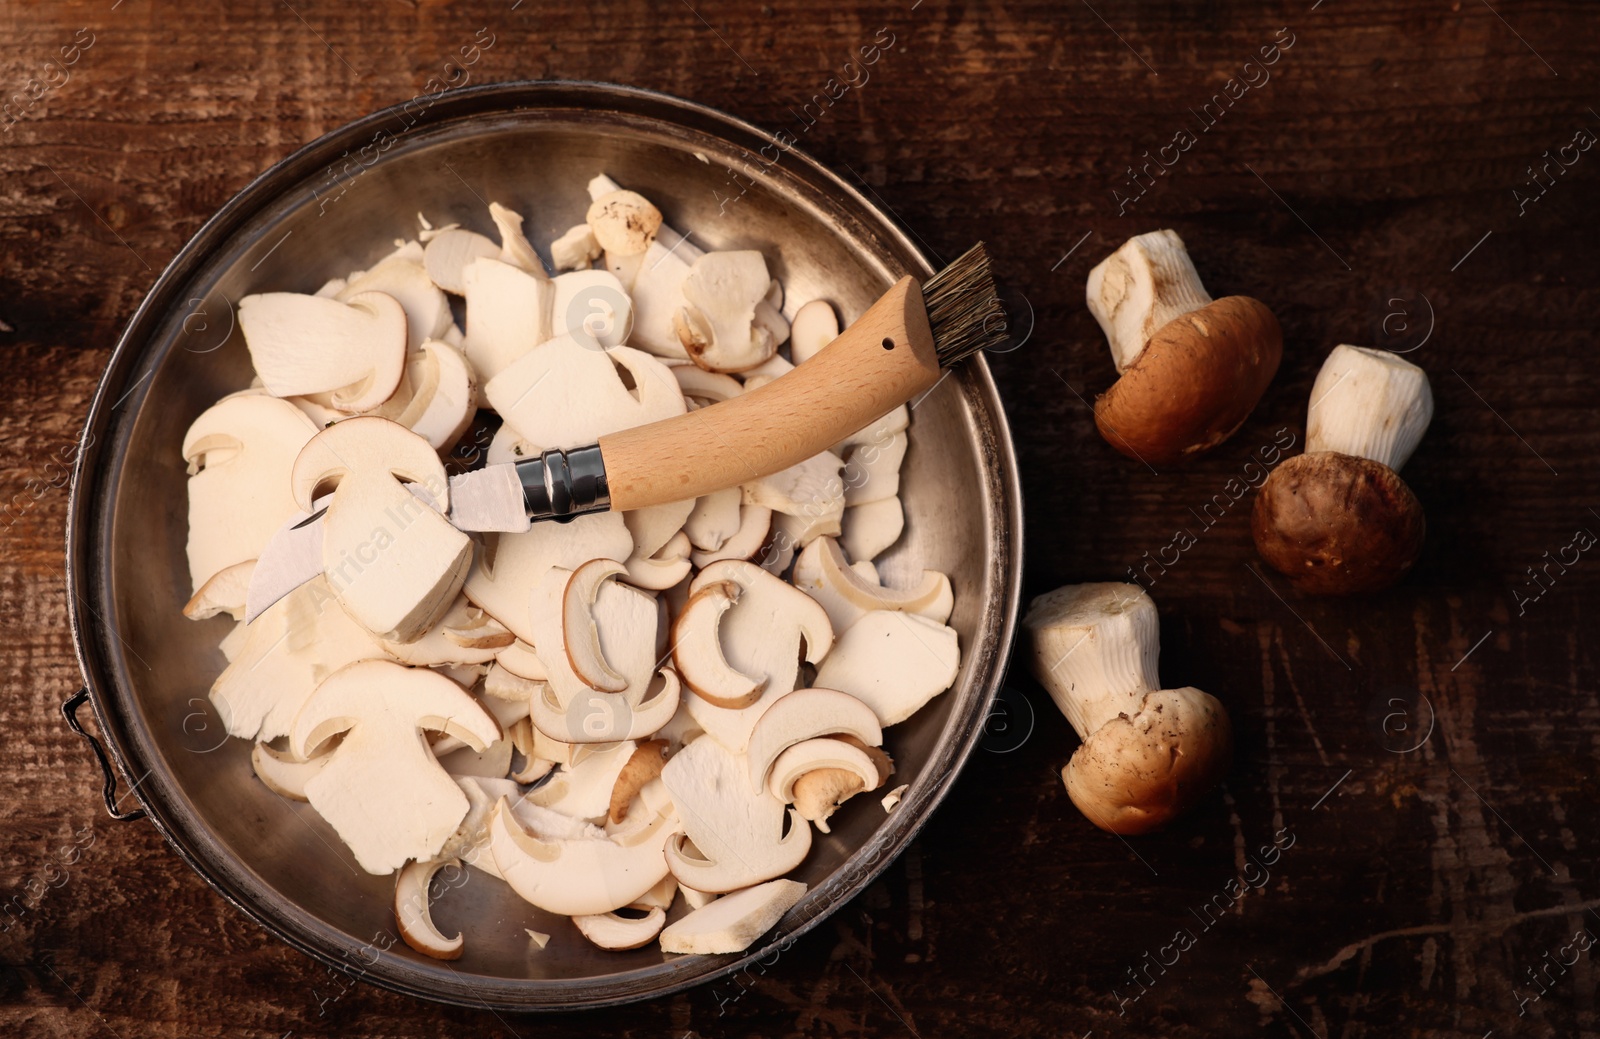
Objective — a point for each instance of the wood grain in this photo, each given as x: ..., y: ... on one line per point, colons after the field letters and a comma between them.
x: 1372, y: 186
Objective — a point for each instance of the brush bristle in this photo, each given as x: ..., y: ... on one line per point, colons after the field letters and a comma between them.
x: 964, y: 308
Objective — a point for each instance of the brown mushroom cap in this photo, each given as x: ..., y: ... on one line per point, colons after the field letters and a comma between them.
x: 1335, y: 524
x: 1195, y: 383
x: 1137, y: 773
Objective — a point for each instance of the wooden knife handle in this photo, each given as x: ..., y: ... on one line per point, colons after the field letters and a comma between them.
x: 881, y: 361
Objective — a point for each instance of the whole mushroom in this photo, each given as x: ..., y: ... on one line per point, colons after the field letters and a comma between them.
x: 1148, y: 753
x: 1338, y: 520
x: 1192, y: 368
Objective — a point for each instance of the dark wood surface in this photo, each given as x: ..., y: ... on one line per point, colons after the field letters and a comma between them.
x: 1366, y: 192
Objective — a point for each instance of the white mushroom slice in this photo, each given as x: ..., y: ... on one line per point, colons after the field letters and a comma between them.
x: 240, y: 452
x: 564, y: 394
x: 815, y: 754
x: 697, y: 899
x: 867, y: 531
x: 1096, y: 649
x: 755, y: 523
x: 643, y: 768
x: 802, y: 715
x: 610, y: 931
x: 507, y: 446
x: 519, y: 661
x: 811, y: 489
x: 792, y: 533
x: 330, y: 288
x: 656, y: 525
x: 470, y: 841
x: 681, y: 728
x: 667, y: 568
x: 703, y: 387
x: 575, y: 250
x: 514, y: 247
x: 354, y: 348
x: 623, y: 222
x: 232, y: 643
x: 894, y: 662
x: 877, y: 432
x: 438, y: 646
x: 286, y: 652
x: 284, y: 774
x: 443, y: 395
x: 1369, y: 404
x: 537, y: 938
x: 892, y: 799
x: 821, y: 572
x: 600, y: 186
x: 661, y: 895
x: 697, y: 651
x: 762, y: 635
x: 394, y: 563
x: 716, y: 326
x: 578, y: 876
x: 593, y: 307
x: 1136, y: 290
x: 738, y: 835
x: 593, y: 717
x: 657, y: 289
x: 872, y: 470
x: 579, y: 632
x: 471, y: 628
x: 224, y: 592
x: 733, y: 922
x: 411, y: 910
x: 772, y: 368
x: 382, y: 790
x: 493, y: 762
x: 713, y: 519
x: 450, y: 252
x: 815, y: 325
x: 464, y: 675
x: 770, y: 321
x: 503, y: 575
x: 508, y: 314
x: 402, y: 276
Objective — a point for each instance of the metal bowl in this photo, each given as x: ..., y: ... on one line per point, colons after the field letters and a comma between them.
x: 336, y: 205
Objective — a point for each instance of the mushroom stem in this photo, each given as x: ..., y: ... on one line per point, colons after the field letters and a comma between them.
x: 1139, y: 288
x: 1095, y: 649
x: 1369, y: 404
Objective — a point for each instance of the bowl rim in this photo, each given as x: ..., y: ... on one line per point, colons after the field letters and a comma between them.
x: 87, y: 555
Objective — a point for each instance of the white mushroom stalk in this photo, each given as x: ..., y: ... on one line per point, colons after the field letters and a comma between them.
x: 1139, y: 288
x: 1369, y: 404
x: 1095, y: 649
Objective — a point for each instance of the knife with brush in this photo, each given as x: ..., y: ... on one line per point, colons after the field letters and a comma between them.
x: 896, y: 350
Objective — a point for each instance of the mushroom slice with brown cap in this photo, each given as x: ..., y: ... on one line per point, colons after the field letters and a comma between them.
x: 578, y: 876
x: 867, y: 531
x: 502, y: 576
x: 224, y: 593
x: 733, y: 922
x: 1338, y: 519
x: 1142, y: 769
x: 450, y: 251
x: 745, y: 543
x: 284, y: 774
x: 394, y: 563
x: 355, y: 348
x: 894, y: 662
x: 697, y: 650
x: 508, y: 314
x: 382, y: 790
x: 615, y: 931
x: 623, y: 222
x: 665, y: 569
x: 575, y: 249
x: 240, y: 452
x: 1096, y: 649
x: 717, y: 325
x: 818, y: 775
x: 519, y: 661
x: 612, y: 639
x: 801, y: 716
x: 644, y: 765
x: 815, y: 325
x: 1192, y: 369
x: 412, y: 910
x: 565, y: 394
x: 472, y: 628
x: 402, y: 276
x: 822, y: 573
x: 738, y: 835
x: 579, y: 633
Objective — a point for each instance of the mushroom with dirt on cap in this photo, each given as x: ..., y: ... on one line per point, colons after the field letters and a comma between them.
x: 1192, y: 368
x: 1148, y: 753
x: 1338, y: 519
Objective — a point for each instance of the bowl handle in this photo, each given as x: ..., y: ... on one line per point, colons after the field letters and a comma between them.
x: 70, y: 710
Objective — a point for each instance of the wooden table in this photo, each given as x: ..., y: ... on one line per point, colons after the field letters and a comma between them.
x: 1371, y: 183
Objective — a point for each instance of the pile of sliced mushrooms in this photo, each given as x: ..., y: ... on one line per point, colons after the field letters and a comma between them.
x: 610, y: 715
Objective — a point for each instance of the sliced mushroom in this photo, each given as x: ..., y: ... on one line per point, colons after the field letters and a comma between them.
x: 575, y: 249
x: 593, y: 307
x: 713, y: 519
x: 284, y: 774
x: 450, y: 251
x: 354, y: 348
x: 821, y: 572
x: 872, y: 470
x: 702, y: 387
x: 716, y: 326
x: 812, y: 489
x: 514, y: 247
x: 444, y: 644
x: 894, y: 662
x: 508, y: 314
x: 240, y: 452
x: 666, y: 568
x: 502, y: 576
x: 661, y: 895
x: 815, y: 326
x: 493, y: 762
x: 623, y: 222
x: 644, y: 765
x: 578, y: 876
x: 612, y: 638
x: 733, y: 922
x: 580, y: 634
x: 402, y: 276
x: 755, y: 523
x: 584, y: 787
x: 738, y: 835
x: 657, y: 290
x: 382, y: 790
x: 892, y: 799
x: 438, y: 397
x: 564, y: 394
x: 613, y: 931
x: 867, y: 531
x: 394, y: 563
x: 519, y: 661
x: 224, y: 592
x: 697, y: 650
x: 412, y: 910
x: 818, y: 775
x: 804, y: 715
x: 818, y: 793
x: 656, y: 525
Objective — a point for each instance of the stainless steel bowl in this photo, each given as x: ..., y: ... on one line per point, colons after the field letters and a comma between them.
x: 336, y: 205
